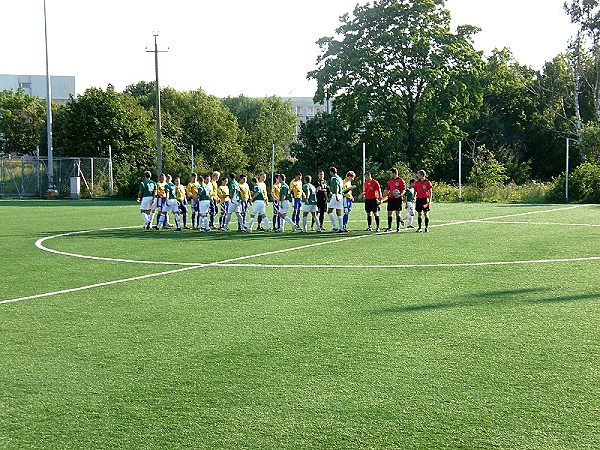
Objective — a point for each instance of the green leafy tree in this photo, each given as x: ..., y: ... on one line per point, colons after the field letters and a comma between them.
x: 264, y: 121
x: 325, y: 141
x: 487, y: 171
x: 87, y: 125
x: 22, y: 122
x: 398, y: 71
x: 194, y: 118
x: 590, y: 143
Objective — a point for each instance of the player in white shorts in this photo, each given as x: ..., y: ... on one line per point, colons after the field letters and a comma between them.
x: 170, y: 205
x: 336, y: 186
x: 204, y: 204
x: 309, y: 196
x: 259, y: 205
x: 284, y: 204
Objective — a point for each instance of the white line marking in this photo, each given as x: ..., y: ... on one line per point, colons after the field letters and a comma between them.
x: 558, y: 224
x: 39, y: 244
x: 228, y: 262
x: 91, y: 286
x: 507, y: 216
x: 404, y: 266
x: 194, y: 266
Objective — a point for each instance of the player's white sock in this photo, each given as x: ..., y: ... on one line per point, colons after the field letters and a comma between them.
x: 251, y: 223
x: 290, y: 221
x: 145, y: 218
x: 317, y: 222
x: 341, y: 221
x: 177, y: 220
x: 410, y: 220
x: 304, y: 220
x: 266, y: 222
x: 150, y: 217
x: 332, y: 218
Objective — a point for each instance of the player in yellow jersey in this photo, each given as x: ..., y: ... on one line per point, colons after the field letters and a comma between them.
x: 214, y: 198
x: 223, y: 195
x: 161, y: 198
x: 181, y: 196
x: 244, y: 198
x: 275, y: 191
x: 348, y: 199
x: 191, y: 191
x: 296, y: 191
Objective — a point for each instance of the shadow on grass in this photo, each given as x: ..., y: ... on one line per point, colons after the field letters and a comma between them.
x: 193, y: 235
x: 477, y: 299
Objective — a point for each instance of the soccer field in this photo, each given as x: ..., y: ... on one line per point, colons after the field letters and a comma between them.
x: 483, y: 333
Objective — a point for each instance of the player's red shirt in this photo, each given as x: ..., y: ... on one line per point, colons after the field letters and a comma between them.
x: 392, y: 184
x: 423, y: 188
x: 372, y: 189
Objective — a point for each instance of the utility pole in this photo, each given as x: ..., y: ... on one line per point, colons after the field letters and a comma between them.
x: 158, y: 124
x: 50, y: 168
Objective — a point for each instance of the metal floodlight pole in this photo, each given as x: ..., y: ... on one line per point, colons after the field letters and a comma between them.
x: 158, y: 124
x: 364, y: 160
x: 567, y: 174
x: 50, y: 168
x: 460, y: 170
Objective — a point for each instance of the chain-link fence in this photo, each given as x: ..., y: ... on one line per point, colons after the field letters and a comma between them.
x: 27, y: 176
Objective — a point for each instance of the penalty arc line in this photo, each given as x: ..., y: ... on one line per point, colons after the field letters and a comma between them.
x: 195, y: 266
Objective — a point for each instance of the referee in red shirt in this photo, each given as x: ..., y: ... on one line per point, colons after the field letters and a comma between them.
x: 372, y: 195
x: 424, y: 191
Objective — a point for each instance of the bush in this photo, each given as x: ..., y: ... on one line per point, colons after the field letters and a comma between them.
x: 510, y: 193
x: 444, y: 192
x: 584, y: 185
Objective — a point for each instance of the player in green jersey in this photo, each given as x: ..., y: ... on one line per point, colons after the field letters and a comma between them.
x: 145, y: 198
x: 285, y: 196
x: 259, y: 204
x: 409, y: 203
x: 170, y: 205
x: 309, y: 197
x: 234, y: 202
x: 204, y: 193
x: 336, y: 186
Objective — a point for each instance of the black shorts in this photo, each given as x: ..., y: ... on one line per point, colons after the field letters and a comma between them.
x: 371, y: 205
x: 422, y: 204
x: 394, y: 204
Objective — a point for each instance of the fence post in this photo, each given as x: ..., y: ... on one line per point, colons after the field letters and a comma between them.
x: 110, y: 172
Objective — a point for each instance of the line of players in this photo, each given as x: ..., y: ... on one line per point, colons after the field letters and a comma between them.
x: 211, y: 194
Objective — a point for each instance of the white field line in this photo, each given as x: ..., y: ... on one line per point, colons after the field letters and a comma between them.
x: 506, y: 216
x: 40, y: 244
x: 404, y: 266
x: 190, y: 267
x: 91, y: 286
x: 228, y: 262
x: 557, y: 224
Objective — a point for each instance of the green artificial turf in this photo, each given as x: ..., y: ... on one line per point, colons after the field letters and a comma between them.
x: 240, y: 355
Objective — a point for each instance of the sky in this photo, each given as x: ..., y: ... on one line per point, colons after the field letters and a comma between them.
x: 256, y: 48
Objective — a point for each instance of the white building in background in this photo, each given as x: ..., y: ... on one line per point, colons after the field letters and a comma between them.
x: 62, y: 87
x: 304, y: 108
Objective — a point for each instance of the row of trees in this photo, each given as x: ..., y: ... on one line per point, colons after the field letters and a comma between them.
x: 410, y: 88
x: 399, y: 79
x: 231, y: 134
